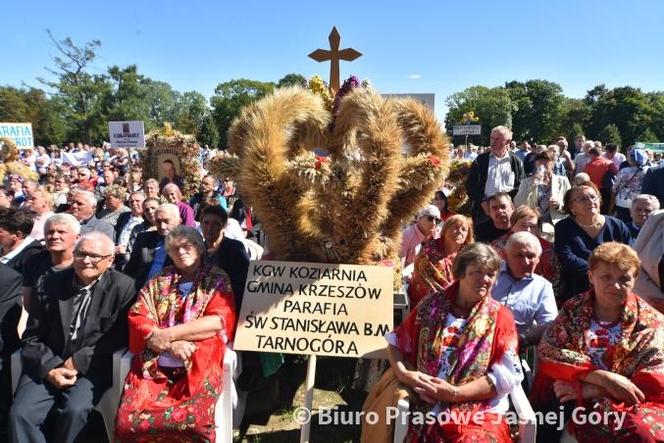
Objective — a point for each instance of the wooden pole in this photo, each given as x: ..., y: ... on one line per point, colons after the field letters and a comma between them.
x: 309, y: 398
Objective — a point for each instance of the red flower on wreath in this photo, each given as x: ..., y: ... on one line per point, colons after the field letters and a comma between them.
x: 434, y: 160
x: 144, y: 426
x: 320, y: 161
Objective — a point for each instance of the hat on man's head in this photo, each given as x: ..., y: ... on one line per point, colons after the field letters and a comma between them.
x: 639, y: 156
x: 429, y: 211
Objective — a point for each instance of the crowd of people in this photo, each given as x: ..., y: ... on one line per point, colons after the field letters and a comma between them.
x: 560, y: 264
x: 557, y: 268
x: 96, y: 258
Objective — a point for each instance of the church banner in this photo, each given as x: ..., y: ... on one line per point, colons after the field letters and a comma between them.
x: 315, y: 308
x: 21, y: 133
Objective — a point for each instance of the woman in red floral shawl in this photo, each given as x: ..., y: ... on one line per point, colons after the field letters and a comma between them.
x: 433, y: 264
x: 458, y: 352
x: 606, y: 352
x: 178, y: 330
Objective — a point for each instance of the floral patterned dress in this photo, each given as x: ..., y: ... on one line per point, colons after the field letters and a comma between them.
x: 460, y: 351
x: 166, y: 403
x: 634, y: 348
x: 433, y: 271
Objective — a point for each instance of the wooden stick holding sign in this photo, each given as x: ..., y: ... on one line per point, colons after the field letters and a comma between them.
x: 315, y: 309
x: 308, y: 399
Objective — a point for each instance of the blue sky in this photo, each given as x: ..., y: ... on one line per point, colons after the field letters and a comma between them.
x: 408, y: 46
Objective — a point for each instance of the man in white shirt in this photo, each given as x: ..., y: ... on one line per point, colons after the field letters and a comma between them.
x: 583, y: 158
x: 498, y: 170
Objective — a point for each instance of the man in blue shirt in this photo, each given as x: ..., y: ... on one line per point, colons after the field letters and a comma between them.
x: 528, y: 295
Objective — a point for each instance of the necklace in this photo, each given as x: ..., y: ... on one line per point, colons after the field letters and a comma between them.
x: 594, y: 225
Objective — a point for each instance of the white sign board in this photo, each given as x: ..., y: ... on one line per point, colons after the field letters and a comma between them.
x: 467, y: 130
x: 21, y: 133
x: 126, y: 134
x: 315, y: 308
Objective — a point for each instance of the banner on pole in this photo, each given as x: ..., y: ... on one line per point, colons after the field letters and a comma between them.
x: 467, y: 130
x: 316, y: 308
x: 126, y: 134
x: 21, y: 133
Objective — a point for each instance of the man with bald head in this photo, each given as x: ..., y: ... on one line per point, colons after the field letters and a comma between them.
x: 528, y: 295
x: 148, y: 255
x: 73, y: 330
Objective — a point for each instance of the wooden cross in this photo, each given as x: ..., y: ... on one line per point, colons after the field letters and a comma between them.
x: 334, y: 55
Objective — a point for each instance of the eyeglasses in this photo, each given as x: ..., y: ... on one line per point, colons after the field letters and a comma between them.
x: 431, y: 218
x: 94, y: 258
x: 585, y: 198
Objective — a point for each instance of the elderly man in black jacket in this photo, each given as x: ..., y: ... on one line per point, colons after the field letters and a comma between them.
x: 498, y: 170
x: 72, y: 332
x: 10, y: 312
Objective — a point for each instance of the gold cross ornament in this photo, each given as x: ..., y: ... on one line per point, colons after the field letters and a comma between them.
x: 334, y: 55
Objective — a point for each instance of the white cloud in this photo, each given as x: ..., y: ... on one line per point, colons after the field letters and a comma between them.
x: 414, y: 76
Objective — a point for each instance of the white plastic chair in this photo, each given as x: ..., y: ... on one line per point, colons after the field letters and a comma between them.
x: 108, y: 405
x: 527, y: 421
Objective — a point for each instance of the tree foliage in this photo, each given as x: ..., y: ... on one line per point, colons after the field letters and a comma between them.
x: 648, y: 136
x: 493, y: 106
x: 229, y: 99
x: 292, y: 80
x: 610, y: 134
x: 537, y: 109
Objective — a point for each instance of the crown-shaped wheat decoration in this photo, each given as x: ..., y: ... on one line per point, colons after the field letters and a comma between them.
x: 347, y: 206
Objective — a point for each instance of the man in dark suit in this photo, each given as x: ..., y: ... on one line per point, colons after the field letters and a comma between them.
x: 15, y: 241
x: 10, y: 313
x: 72, y: 332
x: 230, y: 255
x: 148, y: 255
x: 498, y: 170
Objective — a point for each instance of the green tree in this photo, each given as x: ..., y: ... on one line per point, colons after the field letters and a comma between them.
x: 229, y: 99
x: 629, y: 108
x: 292, y: 80
x: 492, y: 105
x: 128, y: 100
x: 83, y: 95
x: 32, y: 105
x: 162, y: 102
x: 192, y: 109
x: 656, y: 100
x: 575, y: 115
x: 537, y: 109
x: 610, y: 134
x: 647, y: 136
x: 208, y: 134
